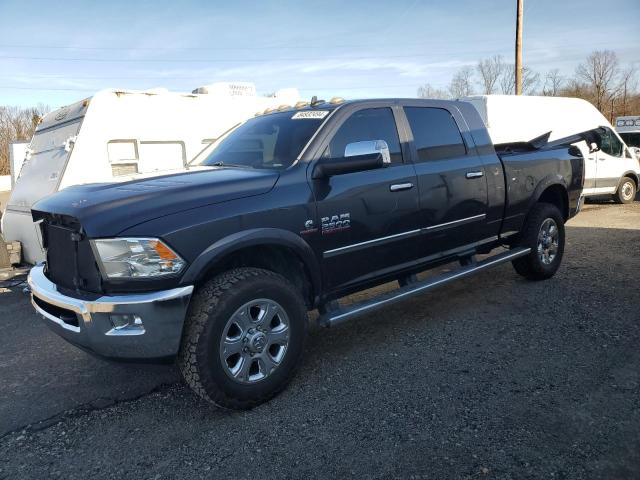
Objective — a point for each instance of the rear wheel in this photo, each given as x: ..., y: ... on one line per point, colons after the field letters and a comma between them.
x: 544, y: 234
x: 626, y: 192
x: 243, y: 338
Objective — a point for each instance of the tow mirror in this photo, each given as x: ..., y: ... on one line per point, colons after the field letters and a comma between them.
x: 358, y: 156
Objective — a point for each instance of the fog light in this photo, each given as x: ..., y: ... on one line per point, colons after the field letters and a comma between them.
x: 126, y: 323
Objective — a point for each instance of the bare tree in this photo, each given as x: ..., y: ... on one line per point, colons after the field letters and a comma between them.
x: 428, y: 91
x: 490, y: 70
x: 16, y: 124
x: 530, y: 80
x: 462, y: 83
x: 628, y: 84
x: 599, y: 72
x: 553, y: 82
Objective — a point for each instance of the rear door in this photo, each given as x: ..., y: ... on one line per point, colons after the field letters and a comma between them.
x: 368, y: 220
x: 451, y: 179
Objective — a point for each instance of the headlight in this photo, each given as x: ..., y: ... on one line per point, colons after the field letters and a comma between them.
x: 137, y: 258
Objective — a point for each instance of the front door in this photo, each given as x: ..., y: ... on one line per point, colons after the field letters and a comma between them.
x: 368, y: 220
x: 611, y: 163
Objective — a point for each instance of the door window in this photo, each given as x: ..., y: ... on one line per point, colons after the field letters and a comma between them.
x: 367, y: 124
x: 435, y: 133
x: 122, y: 151
x: 158, y: 156
x: 611, y: 145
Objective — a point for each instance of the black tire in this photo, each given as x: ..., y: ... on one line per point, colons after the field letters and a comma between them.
x: 626, y: 192
x: 211, y: 308
x: 533, y: 266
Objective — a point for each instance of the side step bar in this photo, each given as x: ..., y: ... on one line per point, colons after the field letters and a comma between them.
x: 336, y: 315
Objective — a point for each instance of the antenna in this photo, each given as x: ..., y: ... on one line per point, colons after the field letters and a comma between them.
x: 315, y: 101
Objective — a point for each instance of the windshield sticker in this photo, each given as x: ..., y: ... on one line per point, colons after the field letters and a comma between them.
x: 312, y: 114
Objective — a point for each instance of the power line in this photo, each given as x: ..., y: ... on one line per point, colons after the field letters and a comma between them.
x: 216, y: 49
x: 213, y: 60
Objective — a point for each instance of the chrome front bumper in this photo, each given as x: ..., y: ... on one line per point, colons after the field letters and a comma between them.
x: 88, y: 323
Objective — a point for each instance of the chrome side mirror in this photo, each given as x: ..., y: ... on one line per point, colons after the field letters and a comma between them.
x: 369, y: 147
x: 358, y: 157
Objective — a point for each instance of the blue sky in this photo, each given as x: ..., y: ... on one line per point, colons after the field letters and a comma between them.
x: 59, y: 52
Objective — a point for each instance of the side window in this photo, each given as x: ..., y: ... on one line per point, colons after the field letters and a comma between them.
x: 368, y: 124
x: 120, y: 151
x: 123, y: 157
x: 611, y: 145
x: 160, y: 155
x: 435, y: 133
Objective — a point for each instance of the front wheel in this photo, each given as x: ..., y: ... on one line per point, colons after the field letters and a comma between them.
x: 626, y: 192
x: 544, y: 234
x: 243, y: 338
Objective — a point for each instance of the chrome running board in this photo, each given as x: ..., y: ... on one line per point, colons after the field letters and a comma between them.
x: 334, y: 316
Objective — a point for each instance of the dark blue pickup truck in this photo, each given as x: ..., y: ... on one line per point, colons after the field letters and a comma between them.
x: 218, y: 266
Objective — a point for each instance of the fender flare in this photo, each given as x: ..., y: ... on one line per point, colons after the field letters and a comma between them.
x: 546, y: 182
x: 250, y: 238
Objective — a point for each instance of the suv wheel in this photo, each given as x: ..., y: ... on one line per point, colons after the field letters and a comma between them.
x: 626, y: 192
x: 243, y: 339
x: 544, y: 233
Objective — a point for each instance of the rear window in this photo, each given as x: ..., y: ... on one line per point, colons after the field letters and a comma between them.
x: 272, y: 141
x: 435, y: 133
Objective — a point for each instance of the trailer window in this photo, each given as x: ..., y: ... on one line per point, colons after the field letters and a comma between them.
x: 122, y: 151
x: 158, y: 156
x: 435, y: 133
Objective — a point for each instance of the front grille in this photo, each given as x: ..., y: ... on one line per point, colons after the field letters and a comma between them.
x: 70, y: 260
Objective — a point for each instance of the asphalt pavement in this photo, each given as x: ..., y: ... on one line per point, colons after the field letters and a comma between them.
x: 491, y: 377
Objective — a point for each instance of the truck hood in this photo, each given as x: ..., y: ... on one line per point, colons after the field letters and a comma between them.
x: 106, y: 209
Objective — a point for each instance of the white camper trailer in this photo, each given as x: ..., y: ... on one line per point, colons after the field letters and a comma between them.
x: 510, y: 118
x: 117, y: 135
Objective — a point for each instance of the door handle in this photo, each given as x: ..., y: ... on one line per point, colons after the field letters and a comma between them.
x: 591, y: 158
x: 477, y: 174
x: 397, y: 187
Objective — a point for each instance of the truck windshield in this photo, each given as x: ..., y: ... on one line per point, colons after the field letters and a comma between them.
x: 632, y: 139
x: 271, y: 141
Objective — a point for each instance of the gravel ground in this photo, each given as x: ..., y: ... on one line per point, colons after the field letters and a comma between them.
x: 492, y: 377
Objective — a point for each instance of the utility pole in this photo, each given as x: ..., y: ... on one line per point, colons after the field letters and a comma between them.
x: 518, y: 69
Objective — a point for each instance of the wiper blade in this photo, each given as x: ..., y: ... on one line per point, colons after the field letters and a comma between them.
x: 224, y: 164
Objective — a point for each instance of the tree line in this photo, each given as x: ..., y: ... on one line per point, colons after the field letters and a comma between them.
x: 16, y: 125
x: 599, y: 79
